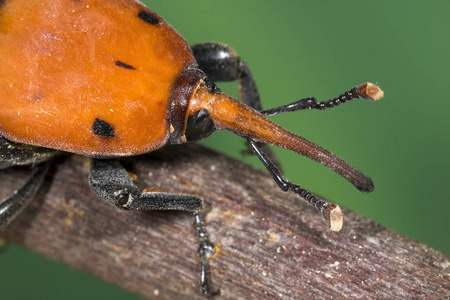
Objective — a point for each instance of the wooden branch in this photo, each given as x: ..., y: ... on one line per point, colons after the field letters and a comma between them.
x: 272, y: 244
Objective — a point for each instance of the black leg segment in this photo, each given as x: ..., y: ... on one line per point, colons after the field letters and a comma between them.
x: 111, y: 182
x: 205, y: 250
x: 222, y: 63
x: 13, y: 154
x: 331, y: 212
x: 12, y: 206
x: 366, y: 91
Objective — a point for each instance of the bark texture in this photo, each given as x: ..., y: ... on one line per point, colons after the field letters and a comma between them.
x: 272, y: 244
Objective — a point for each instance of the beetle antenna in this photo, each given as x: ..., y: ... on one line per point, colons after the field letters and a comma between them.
x: 229, y: 114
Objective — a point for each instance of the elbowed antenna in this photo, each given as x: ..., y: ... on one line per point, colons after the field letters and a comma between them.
x: 229, y: 114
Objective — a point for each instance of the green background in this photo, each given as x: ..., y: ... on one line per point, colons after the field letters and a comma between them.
x: 310, y: 48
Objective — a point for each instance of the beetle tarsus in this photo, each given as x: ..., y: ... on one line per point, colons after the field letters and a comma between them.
x: 206, y: 250
x: 330, y: 211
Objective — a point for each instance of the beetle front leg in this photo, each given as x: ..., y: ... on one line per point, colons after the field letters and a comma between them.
x: 12, y: 206
x: 330, y: 211
x: 13, y: 154
x: 110, y: 181
x: 368, y: 91
x: 222, y: 63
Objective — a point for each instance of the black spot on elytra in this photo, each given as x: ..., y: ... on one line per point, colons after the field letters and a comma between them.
x: 1, y: 2
x: 103, y: 128
x: 148, y: 18
x: 124, y: 65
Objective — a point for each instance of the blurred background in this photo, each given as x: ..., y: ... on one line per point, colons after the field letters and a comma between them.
x: 310, y: 48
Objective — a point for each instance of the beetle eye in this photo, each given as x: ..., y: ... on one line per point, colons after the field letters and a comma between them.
x: 199, y: 126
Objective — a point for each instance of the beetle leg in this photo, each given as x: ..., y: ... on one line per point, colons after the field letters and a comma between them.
x: 222, y: 63
x: 12, y: 206
x: 13, y: 154
x: 366, y: 91
x: 331, y: 212
x: 206, y: 250
x: 110, y: 181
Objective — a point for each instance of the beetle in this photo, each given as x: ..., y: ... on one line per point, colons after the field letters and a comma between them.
x: 108, y: 79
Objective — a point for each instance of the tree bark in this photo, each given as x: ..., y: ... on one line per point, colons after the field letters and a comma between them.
x: 271, y: 244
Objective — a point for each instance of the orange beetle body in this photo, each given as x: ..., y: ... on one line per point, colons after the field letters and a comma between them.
x: 109, y: 78
x: 76, y: 67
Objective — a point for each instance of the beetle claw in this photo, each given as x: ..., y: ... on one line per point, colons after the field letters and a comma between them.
x: 205, y: 280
